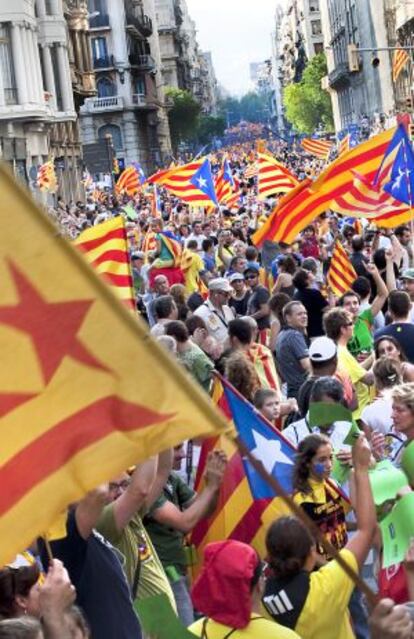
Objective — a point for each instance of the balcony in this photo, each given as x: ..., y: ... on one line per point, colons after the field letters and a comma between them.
x: 142, y: 101
x: 138, y: 25
x: 340, y: 76
x: 104, y: 62
x: 100, y: 21
x: 102, y: 105
x: 145, y: 62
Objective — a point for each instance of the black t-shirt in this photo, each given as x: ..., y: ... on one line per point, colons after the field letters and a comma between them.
x: 102, y: 590
x: 315, y: 303
x: 259, y: 296
x: 403, y: 332
x: 240, y: 306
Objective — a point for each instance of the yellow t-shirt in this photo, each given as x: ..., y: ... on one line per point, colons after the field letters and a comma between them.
x: 258, y: 627
x: 192, y: 273
x: 348, y: 364
x: 325, y: 612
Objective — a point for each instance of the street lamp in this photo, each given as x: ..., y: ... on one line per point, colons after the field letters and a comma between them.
x: 110, y: 153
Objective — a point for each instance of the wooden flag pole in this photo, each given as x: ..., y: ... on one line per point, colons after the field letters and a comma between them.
x: 300, y: 514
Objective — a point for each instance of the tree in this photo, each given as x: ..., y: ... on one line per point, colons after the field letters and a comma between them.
x: 183, y: 116
x: 254, y: 107
x: 307, y: 105
x: 210, y: 127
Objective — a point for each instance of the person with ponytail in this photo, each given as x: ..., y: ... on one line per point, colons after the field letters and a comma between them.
x: 315, y: 603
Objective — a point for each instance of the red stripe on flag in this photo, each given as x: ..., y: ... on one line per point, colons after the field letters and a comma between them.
x: 54, y: 448
x: 116, y: 234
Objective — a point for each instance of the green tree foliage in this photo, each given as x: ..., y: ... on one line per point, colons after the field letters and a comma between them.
x: 252, y: 107
x: 183, y: 116
x: 307, y: 105
x: 210, y: 127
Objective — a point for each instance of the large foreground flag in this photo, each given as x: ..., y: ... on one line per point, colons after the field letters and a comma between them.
x: 273, y: 177
x: 105, y: 247
x: 246, y: 504
x: 341, y: 274
x: 75, y: 406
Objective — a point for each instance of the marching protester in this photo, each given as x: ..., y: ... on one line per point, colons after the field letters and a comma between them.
x: 271, y: 316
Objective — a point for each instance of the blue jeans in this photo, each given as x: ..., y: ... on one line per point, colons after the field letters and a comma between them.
x: 359, y: 615
x: 183, y: 600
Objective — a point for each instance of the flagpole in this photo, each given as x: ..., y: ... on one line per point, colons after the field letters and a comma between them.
x: 274, y: 428
x: 300, y: 514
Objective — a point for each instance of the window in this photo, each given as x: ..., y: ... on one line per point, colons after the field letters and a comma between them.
x: 97, y: 5
x: 99, y: 50
x: 139, y: 84
x: 55, y: 65
x: 113, y: 130
x: 313, y: 5
x: 318, y: 47
x: 6, y: 65
x: 316, y: 27
x: 106, y: 88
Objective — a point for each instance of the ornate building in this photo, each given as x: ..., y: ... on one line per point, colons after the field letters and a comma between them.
x: 38, y: 118
x: 130, y: 102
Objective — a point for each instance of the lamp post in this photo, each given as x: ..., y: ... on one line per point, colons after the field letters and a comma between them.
x: 110, y: 153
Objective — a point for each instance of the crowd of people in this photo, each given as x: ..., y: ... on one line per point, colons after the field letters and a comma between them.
x: 266, y: 321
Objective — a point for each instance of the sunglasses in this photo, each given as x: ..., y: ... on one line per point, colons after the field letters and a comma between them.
x: 250, y: 277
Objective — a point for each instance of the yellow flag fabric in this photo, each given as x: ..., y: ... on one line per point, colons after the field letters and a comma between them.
x: 84, y: 391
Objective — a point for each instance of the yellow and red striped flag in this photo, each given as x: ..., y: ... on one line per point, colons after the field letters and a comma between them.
x: 341, y: 274
x: 46, y: 177
x: 238, y: 515
x: 75, y: 408
x: 251, y: 171
x: 106, y: 249
x: 366, y: 200
x: 192, y: 182
x: 304, y: 203
x: 319, y: 148
x: 128, y: 182
x: 343, y: 145
x: 273, y: 177
x: 399, y: 60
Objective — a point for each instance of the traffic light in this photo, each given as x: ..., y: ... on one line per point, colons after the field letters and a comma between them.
x: 353, y: 59
x: 375, y: 60
x: 115, y: 168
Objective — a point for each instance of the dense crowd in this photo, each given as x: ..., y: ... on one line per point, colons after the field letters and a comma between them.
x: 266, y: 321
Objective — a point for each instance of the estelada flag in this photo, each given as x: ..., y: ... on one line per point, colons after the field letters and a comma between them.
x: 85, y: 392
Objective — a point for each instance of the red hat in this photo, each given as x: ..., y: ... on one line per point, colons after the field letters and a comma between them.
x: 222, y: 591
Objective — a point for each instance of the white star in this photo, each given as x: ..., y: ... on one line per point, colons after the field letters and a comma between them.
x: 202, y: 182
x: 268, y: 451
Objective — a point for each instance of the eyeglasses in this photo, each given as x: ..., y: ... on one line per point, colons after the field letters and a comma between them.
x: 123, y: 485
x: 250, y: 277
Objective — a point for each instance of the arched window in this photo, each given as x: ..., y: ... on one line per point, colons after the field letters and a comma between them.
x: 106, y: 88
x: 113, y: 130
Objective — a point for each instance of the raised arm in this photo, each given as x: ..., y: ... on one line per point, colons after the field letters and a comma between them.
x: 204, y: 503
x: 361, y: 542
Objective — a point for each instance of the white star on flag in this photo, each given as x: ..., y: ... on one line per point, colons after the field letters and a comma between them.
x: 202, y: 182
x: 269, y: 452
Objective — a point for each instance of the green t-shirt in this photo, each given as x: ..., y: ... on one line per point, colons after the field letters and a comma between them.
x: 134, y: 542
x: 362, y: 339
x: 168, y: 541
x: 199, y: 365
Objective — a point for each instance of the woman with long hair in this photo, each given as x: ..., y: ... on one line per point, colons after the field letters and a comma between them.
x: 388, y: 346
x: 315, y: 495
x: 315, y: 603
x: 287, y: 266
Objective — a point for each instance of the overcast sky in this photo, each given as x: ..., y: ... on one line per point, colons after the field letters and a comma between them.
x: 237, y: 32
